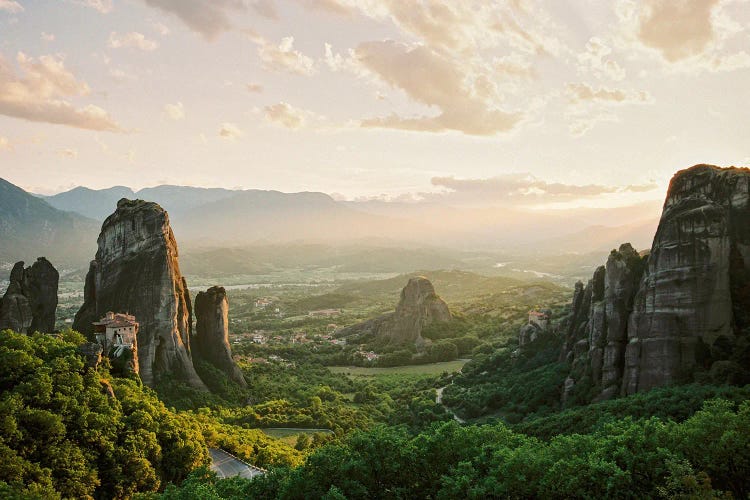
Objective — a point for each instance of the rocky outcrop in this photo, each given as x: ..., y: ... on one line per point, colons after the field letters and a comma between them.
x: 418, y: 307
x: 92, y: 354
x: 30, y: 302
x: 136, y: 270
x: 528, y: 334
x: 661, y: 318
x: 124, y: 360
x: 211, y: 340
x: 537, y: 327
x: 694, y: 294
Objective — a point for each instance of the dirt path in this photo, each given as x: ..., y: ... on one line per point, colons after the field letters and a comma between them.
x: 439, y: 400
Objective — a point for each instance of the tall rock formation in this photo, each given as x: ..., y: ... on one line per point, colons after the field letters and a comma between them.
x: 418, y: 307
x: 211, y: 339
x: 30, y: 302
x: 659, y: 319
x: 136, y: 270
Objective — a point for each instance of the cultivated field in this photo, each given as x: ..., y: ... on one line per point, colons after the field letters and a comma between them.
x: 427, y: 369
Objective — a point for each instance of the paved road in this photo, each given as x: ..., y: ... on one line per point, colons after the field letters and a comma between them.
x: 225, y: 465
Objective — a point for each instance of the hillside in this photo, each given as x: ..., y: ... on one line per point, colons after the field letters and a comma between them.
x: 95, y: 204
x: 30, y: 227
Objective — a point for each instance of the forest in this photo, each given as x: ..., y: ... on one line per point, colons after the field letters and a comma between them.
x: 72, y: 431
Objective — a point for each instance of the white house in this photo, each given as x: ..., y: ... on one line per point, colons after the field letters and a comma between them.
x: 116, y: 330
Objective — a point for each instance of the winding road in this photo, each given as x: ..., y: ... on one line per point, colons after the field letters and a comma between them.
x: 226, y: 465
x: 439, y: 400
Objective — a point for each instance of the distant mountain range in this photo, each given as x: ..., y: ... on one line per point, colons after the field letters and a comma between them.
x: 261, y: 231
x: 214, y: 217
x: 31, y: 228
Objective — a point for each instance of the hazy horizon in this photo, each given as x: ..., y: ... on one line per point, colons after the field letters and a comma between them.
x: 586, y: 104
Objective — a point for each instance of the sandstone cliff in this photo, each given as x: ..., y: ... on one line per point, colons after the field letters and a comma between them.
x: 136, y: 270
x: 418, y: 307
x: 211, y: 340
x: 30, y: 302
x: 681, y: 310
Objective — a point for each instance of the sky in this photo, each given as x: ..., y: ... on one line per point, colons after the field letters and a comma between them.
x: 576, y: 103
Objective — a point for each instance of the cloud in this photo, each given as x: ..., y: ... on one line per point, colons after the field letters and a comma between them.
x: 579, y: 92
x: 590, y: 105
x: 265, y: 8
x: 103, y: 6
x: 328, y: 6
x: 513, y: 65
x: 161, y: 28
x: 209, y: 18
x: 254, y: 87
x: 38, y: 94
x: 434, y: 80
x: 283, y: 57
x: 230, y: 131
x: 728, y: 62
x: 450, y: 26
x: 68, y: 153
x: 285, y: 115
x: 594, y: 60
x: 524, y: 187
x: 677, y: 29
x: 5, y: 144
x: 690, y: 36
x: 48, y: 37
x: 349, y: 63
x: 175, y: 111
x: 11, y: 6
x: 132, y: 39
x: 120, y: 75
x: 581, y: 121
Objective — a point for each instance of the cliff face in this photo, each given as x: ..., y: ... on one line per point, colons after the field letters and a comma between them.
x: 30, y: 302
x: 418, y: 307
x: 684, y: 308
x: 211, y: 340
x: 136, y: 270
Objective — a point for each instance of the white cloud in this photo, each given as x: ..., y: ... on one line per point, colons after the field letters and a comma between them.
x: 103, y: 6
x: 580, y: 121
x: 48, y: 37
x: 230, y: 131
x: 328, y: 6
x: 5, y: 144
x: 132, y: 39
x: 594, y: 60
x: 450, y: 26
x: 729, y: 62
x: 120, y: 75
x: 254, y: 87
x: 11, y: 6
x: 589, y: 105
x: 434, y: 80
x: 68, y: 153
x: 175, y: 111
x: 287, y: 116
x: 349, y: 63
x: 283, y: 57
x: 265, y: 8
x: 579, y: 92
x: 161, y: 28
x: 523, y: 187
x: 38, y: 94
